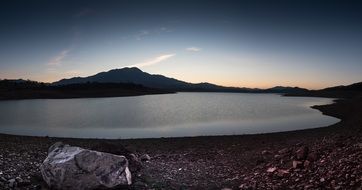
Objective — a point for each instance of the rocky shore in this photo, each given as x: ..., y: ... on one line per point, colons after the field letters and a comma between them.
x: 322, y: 158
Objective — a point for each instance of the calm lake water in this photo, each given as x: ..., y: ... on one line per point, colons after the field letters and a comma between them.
x: 168, y: 115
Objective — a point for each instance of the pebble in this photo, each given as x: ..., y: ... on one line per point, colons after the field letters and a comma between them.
x: 322, y: 180
x: 12, y: 182
x: 297, y: 164
x: 271, y: 170
x: 145, y: 157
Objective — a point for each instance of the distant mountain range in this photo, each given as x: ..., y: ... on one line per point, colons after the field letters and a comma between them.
x: 133, y: 82
x: 137, y: 76
x: 348, y: 91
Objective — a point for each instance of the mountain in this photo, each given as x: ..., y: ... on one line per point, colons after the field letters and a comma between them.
x: 283, y: 89
x: 348, y: 91
x: 128, y: 75
x: 353, y: 87
x: 137, y: 76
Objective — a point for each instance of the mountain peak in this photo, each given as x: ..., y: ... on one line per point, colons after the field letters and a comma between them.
x: 128, y: 69
x: 132, y: 69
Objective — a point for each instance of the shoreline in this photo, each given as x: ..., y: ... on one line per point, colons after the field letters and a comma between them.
x: 215, y: 162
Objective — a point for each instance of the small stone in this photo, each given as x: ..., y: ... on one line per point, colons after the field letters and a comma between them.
x: 302, y: 153
x: 313, y: 156
x: 242, y: 186
x: 277, y: 156
x: 333, y: 183
x: 308, y: 186
x: 306, y: 164
x: 133, y: 157
x: 271, y: 170
x: 135, y: 164
x: 12, y: 183
x: 145, y: 157
x: 282, y: 173
x: 265, y: 152
x: 11, y: 180
x: 322, y: 180
x: 283, y: 151
x: 297, y: 164
x: 359, y: 145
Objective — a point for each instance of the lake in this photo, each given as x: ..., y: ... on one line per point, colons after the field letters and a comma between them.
x: 167, y: 115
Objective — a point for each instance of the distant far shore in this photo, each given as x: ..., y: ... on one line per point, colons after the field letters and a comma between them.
x: 134, y: 82
x: 239, y: 161
x: 33, y: 90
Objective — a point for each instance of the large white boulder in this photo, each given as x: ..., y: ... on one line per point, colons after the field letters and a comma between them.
x: 69, y: 167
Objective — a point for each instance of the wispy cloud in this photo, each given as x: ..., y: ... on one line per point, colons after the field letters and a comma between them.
x: 153, y: 61
x: 58, y: 59
x: 194, y: 49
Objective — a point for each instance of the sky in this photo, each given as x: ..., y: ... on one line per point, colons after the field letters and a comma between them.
x: 254, y: 43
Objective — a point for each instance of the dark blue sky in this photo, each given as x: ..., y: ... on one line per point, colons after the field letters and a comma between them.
x: 253, y: 43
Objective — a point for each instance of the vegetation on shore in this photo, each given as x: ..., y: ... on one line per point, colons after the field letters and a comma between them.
x: 15, y: 89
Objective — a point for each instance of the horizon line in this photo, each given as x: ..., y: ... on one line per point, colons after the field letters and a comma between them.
x: 134, y: 67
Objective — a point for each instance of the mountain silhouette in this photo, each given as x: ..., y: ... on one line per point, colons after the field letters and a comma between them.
x: 347, y: 91
x: 128, y: 75
x: 285, y: 89
x: 351, y: 87
x: 136, y: 76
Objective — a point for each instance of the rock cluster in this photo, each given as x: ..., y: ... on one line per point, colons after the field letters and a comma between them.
x: 19, y: 165
x: 335, y: 163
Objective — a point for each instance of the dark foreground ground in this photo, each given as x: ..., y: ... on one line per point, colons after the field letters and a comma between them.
x: 324, y: 158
